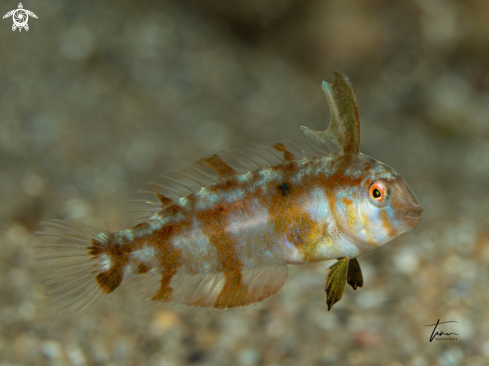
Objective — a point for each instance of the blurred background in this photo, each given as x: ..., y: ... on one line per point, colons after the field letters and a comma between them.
x: 98, y: 98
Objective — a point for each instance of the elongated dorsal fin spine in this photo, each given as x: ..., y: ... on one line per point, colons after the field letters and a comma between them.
x: 216, y: 163
x: 344, y: 128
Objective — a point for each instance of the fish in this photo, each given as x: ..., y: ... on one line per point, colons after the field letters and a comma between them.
x: 221, y: 232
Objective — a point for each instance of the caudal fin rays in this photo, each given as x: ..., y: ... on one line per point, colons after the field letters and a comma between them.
x: 68, y: 268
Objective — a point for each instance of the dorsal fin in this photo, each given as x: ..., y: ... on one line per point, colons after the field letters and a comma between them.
x: 344, y: 128
x: 288, y: 156
x: 165, y: 201
x: 163, y: 190
x: 216, y: 163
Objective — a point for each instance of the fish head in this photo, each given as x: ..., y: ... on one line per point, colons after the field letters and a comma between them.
x: 377, y: 206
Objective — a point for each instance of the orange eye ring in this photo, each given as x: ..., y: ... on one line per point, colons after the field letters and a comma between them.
x: 378, y: 192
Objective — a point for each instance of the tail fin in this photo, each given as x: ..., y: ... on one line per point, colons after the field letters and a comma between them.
x: 70, y: 262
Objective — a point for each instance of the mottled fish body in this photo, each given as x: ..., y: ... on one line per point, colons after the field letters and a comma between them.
x: 227, y: 241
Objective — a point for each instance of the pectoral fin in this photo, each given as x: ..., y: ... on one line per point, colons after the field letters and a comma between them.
x: 336, y: 281
x: 355, y: 277
x: 344, y: 128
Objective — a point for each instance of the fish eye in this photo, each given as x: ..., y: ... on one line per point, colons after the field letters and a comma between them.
x: 378, y: 192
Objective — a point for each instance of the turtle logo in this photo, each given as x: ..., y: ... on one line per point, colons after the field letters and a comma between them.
x: 20, y: 17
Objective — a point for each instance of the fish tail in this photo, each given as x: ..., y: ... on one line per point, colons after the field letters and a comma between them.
x: 77, y: 267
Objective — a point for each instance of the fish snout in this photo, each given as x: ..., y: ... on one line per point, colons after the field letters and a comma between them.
x: 413, y: 214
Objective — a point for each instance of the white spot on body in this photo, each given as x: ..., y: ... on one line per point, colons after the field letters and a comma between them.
x: 316, y: 204
x: 254, y: 237
x: 248, y: 223
x: 291, y: 254
x: 155, y: 223
x: 265, y: 176
x: 206, y: 199
x: 197, y: 249
x: 296, y: 180
x: 243, y: 178
x: 183, y: 201
x: 126, y: 234
x: 144, y: 255
x: 105, y: 262
x: 235, y: 196
x: 129, y: 269
x: 353, y: 172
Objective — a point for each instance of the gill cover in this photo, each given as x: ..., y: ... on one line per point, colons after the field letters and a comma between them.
x: 344, y: 128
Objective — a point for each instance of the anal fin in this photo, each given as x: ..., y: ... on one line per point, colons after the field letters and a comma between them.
x: 221, y: 291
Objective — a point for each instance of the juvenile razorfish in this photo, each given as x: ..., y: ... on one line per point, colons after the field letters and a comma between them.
x: 222, y: 234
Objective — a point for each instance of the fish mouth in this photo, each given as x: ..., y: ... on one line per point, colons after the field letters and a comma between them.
x: 413, y: 214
